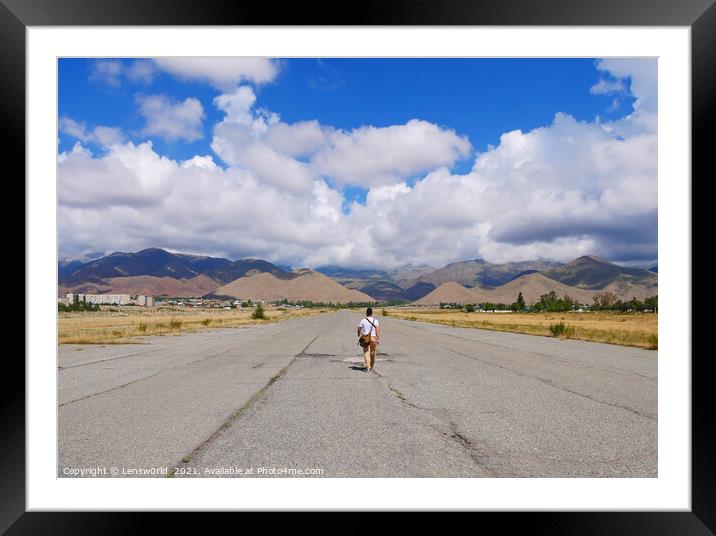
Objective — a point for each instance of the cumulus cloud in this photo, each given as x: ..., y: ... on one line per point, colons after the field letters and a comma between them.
x: 133, y: 197
x: 371, y: 156
x: 241, y: 140
x: 368, y: 156
x: 170, y: 119
x: 222, y: 73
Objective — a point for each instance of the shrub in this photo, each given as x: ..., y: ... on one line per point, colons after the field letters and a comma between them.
x: 385, y: 312
x: 118, y: 333
x: 175, y: 323
x: 206, y: 322
x: 142, y: 327
x: 653, y: 341
x: 469, y: 308
x: 258, y: 313
x: 561, y: 329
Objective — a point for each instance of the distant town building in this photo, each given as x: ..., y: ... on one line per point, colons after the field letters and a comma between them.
x: 109, y: 299
x: 146, y: 301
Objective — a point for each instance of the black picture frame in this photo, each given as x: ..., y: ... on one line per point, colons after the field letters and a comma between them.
x: 699, y: 15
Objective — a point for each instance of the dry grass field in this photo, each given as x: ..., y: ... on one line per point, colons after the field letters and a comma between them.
x: 119, y: 325
x: 637, y: 329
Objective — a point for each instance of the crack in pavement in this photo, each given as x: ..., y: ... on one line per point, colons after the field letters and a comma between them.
x: 477, y: 455
x: 240, y: 411
x: 175, y: 367
x: 548, y: 382
x: 119, y: 357
x: 480, y: 458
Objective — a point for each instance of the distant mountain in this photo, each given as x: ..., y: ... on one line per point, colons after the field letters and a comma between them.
x: 417, y: 291
x: 384, y: 291
x: 406, y: 276
x: 402, y: 276
x: 160, y: 263
x: 158, y: 272
x: 478, y: 272
x: 591, y: 272
x: 396, y: 284
x: 532, y: 286
x: 65, y: 268
x: 225, y: 271
x: 339, y: 272
x: 654, y: 269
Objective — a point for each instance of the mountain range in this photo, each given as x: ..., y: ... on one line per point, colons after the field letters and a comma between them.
x: 158, y: 272
x: 160, y: 263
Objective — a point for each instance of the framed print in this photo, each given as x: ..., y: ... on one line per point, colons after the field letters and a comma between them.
x: 407, y: 260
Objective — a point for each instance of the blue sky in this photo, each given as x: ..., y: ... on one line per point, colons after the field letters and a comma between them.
x: 461, y: 109
x: 480, y: 98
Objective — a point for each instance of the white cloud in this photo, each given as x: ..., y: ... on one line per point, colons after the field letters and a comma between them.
x: 237, y: 105
x: 371, y: 156
x: 170, y: 119
x: 301, y: 139
x: 643, y: 75
x: 113, y: 72
x: 107, y: 72
x: 132, y: 197
x: 100, y: 135
x: 607, y: 87
x: 140, y: 71
x: 222, y: 73
x: 257, y: 140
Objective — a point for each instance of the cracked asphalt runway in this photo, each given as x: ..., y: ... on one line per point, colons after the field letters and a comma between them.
x: 289, y: 397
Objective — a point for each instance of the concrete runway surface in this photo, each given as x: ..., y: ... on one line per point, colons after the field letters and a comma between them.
x: 291, y: 399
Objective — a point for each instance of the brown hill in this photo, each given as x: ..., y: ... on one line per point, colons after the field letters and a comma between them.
x: 532, y: 286
x: 306, y: 286
x: 626, y: 290
x: 203, y: 284
x: 155, y: 286
x: 84, y: 288
x: 452, y: 292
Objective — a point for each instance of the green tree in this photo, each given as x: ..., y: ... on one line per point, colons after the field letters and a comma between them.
x: 519, y: 305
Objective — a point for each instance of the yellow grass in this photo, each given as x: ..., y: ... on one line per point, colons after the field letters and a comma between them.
x: 120, y: 325
x: 631, y: 329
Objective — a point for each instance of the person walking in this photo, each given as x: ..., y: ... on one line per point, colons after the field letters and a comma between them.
x: 369, y: 338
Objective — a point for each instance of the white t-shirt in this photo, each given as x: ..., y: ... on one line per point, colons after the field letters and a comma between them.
x: 365, y: 326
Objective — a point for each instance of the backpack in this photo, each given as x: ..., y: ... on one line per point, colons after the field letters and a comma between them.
x: 364, y: 340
